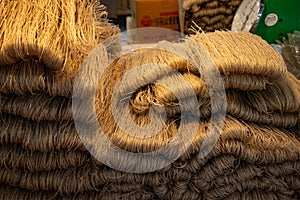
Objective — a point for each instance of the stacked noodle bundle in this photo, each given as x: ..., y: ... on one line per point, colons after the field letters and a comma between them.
x: 42, y: 157
x: 257, y: 154
x: 43, y: 44
x: 209, y: 15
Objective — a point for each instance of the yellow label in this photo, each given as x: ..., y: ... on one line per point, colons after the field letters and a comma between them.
x: 157, y: 13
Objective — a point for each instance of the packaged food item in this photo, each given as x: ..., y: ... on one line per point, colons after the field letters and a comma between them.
x: 154, y: 13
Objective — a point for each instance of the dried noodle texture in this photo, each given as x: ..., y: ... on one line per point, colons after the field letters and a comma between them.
x: 59, y: 33
x: 42, y: 107
x: 137, y: 193
x: 209, y: 15
x: 14, y: 157
x: 145, y: 97
x: 243, y: 54
x: 263, y: 87
x: 38, y: 107
x: 251, y: 158
x: 33, y: 77
x: 240, y: 57
x: 45, y: 136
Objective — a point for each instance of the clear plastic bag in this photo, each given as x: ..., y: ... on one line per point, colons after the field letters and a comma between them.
x: 290, y: 49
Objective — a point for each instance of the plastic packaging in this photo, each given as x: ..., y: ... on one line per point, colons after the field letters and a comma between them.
x: 290, y: 48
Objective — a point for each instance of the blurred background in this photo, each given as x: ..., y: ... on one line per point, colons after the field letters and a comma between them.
x: 118, y: 11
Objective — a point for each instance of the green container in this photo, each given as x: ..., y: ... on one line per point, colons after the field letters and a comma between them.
x: 271, y: 19
x: 279, y: 17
